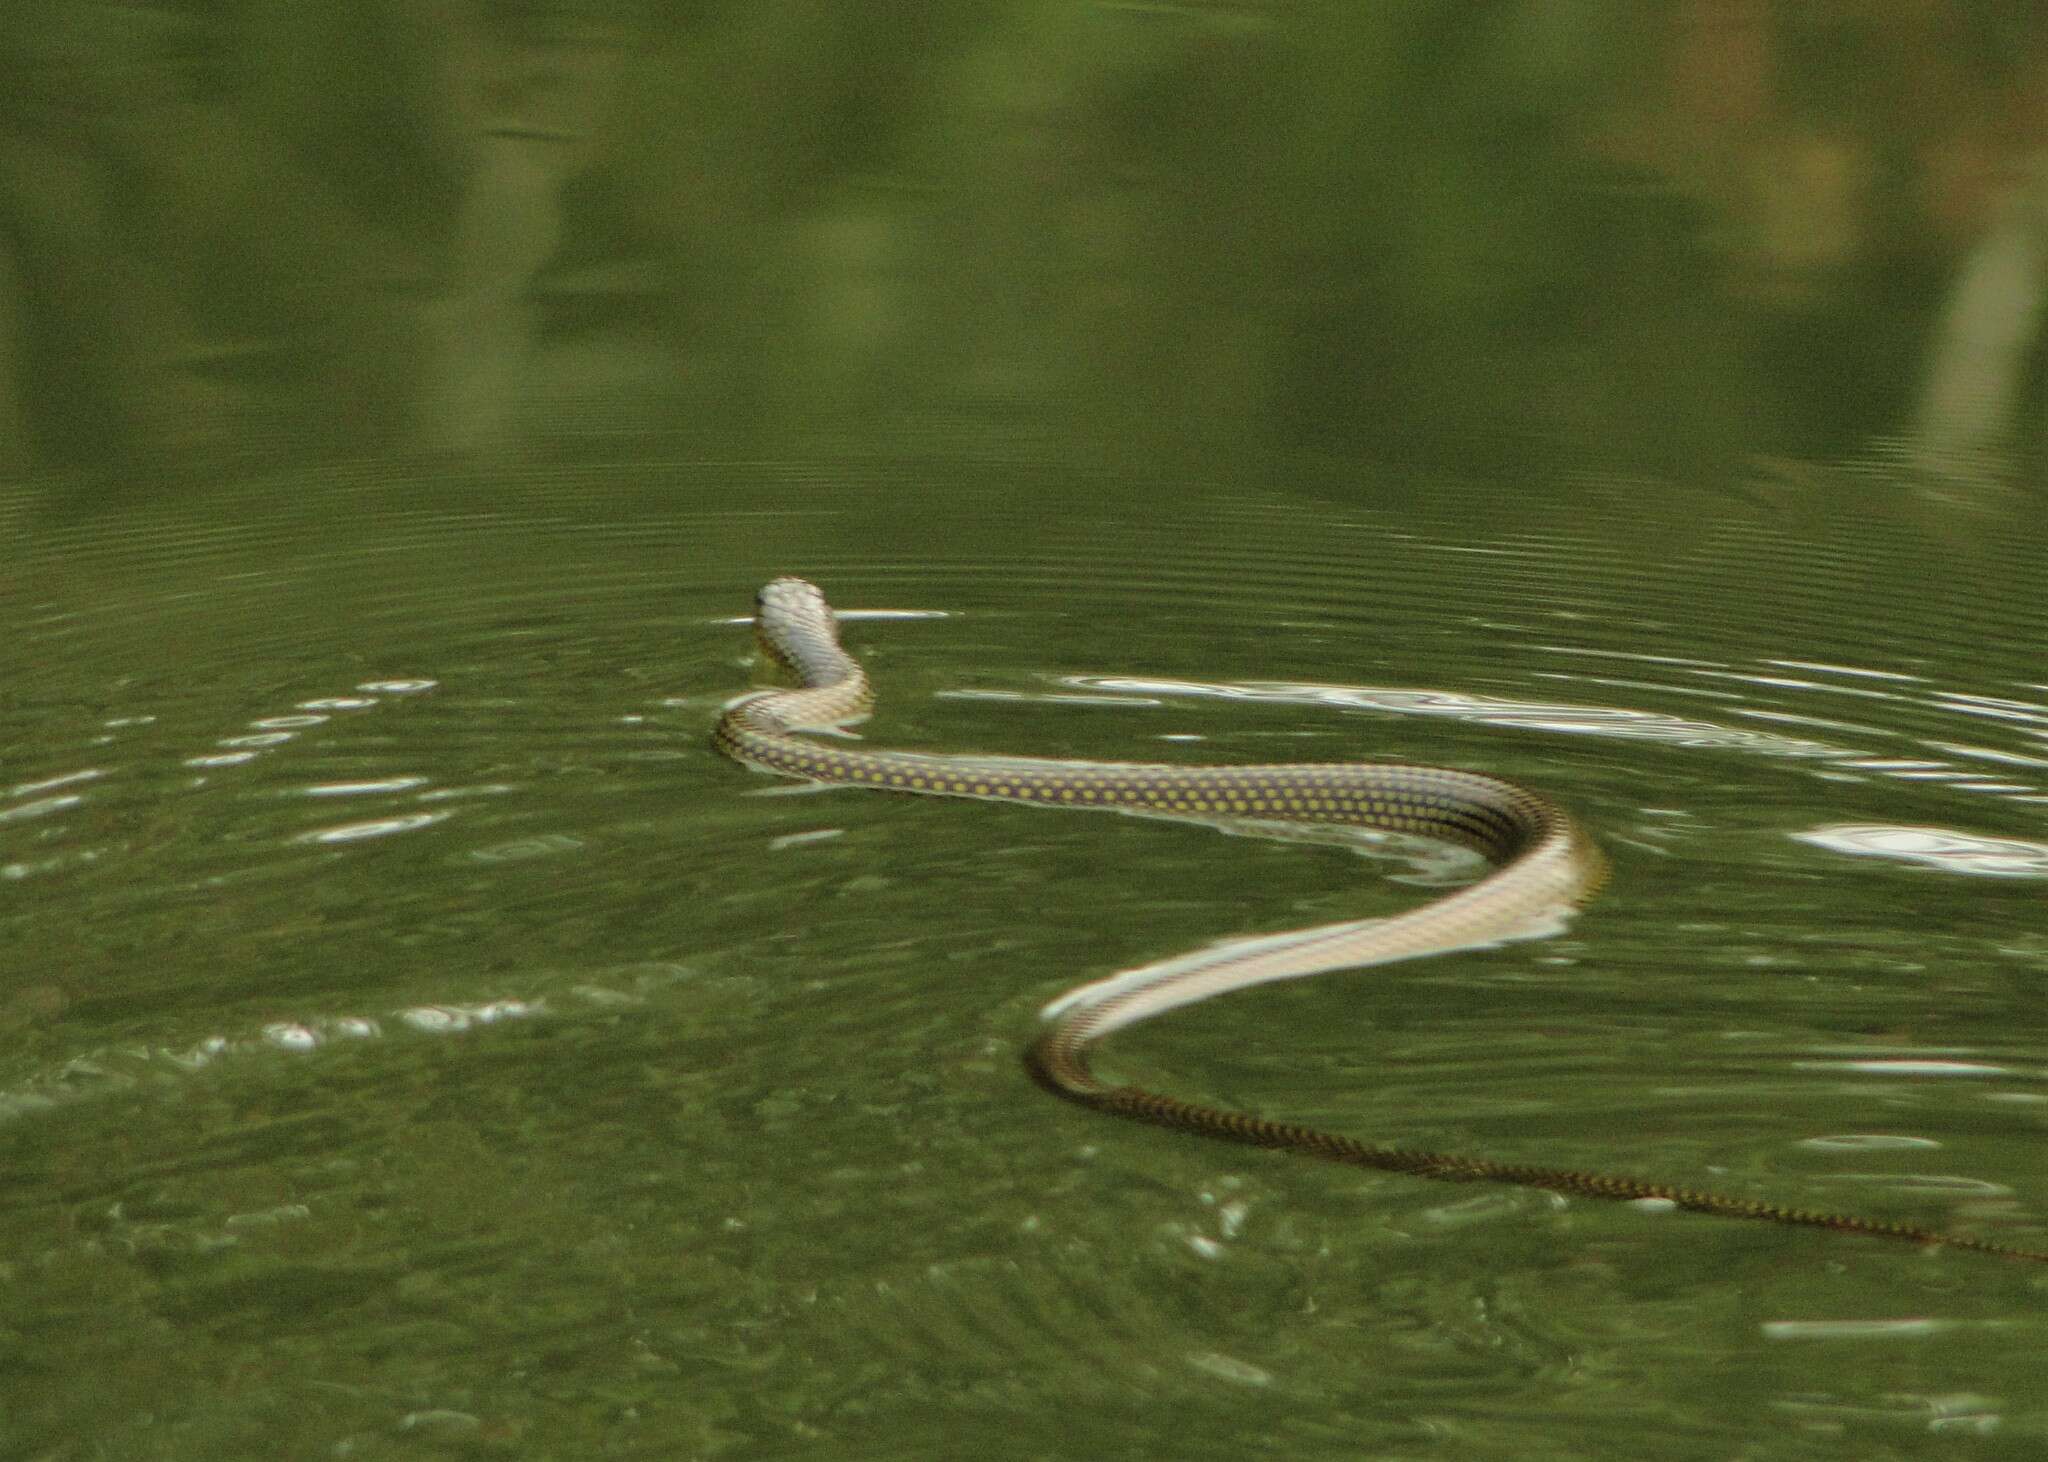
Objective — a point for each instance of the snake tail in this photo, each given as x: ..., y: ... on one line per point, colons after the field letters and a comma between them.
x: 1061, y: 1067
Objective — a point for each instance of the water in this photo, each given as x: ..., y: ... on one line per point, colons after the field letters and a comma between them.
x: 417, y: 1040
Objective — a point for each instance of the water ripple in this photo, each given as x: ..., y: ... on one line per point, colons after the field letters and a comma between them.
x: 114, y: 1069
x: 1615, y: 721
x: 51, y: 784
x: 377, y: 827
x: 1945, y: 849
x: 1917, y: 1327
x: 40, y: 807
x: 363, y: 789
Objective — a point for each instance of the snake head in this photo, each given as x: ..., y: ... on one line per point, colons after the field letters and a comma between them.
x: 790, y: 613
x: 789, y: 599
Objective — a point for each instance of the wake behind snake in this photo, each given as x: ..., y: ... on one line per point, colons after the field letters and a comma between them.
x: 1544, y: 867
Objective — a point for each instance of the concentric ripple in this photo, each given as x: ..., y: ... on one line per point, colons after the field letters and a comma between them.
x: 349, y: 822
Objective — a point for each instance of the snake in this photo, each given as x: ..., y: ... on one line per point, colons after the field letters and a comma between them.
x: 1543, y: 867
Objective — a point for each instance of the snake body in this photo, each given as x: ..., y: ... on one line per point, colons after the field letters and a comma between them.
x: 1544, y: 866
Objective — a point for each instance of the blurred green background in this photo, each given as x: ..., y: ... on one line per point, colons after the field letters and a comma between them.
x: 1654, y: 234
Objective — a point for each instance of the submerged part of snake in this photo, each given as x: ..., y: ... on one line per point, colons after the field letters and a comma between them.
x: 1544, y: 866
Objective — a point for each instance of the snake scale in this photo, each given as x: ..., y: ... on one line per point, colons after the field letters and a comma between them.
x: 1544, y: 866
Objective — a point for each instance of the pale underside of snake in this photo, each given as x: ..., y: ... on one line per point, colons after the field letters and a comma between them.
x: 1544, y: 867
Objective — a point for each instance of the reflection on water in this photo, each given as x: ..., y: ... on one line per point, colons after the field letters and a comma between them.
x: 116, y: 1070
x: 476, y: 1010
x: 1619, y: 721
x: 1669, y: 236
x: 414, y: 1039
x: 1959, y: 852
x: 1943, y: 848
x: 1981, y: 358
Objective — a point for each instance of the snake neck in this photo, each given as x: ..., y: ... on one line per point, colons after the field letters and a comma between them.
x: 794, y: 627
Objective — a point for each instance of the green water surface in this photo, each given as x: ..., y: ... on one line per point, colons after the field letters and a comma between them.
x: 415, y: 1041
